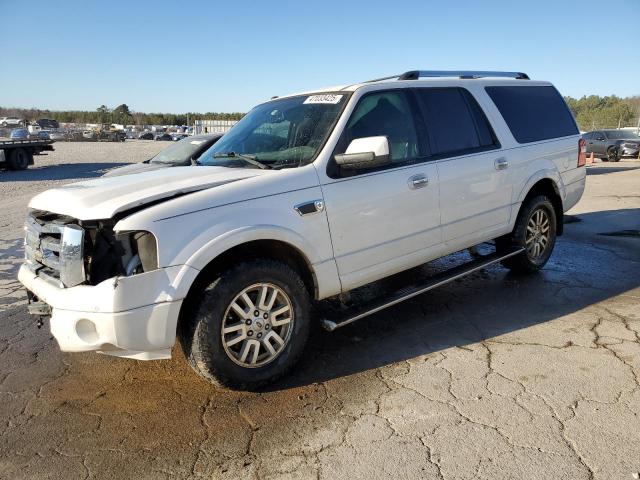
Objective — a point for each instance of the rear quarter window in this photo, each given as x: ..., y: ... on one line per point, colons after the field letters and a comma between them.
x: 533, y: 113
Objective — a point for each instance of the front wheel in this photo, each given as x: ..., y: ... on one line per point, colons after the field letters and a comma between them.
x: 535, y: 231
x: 248, y: 326
x: 613, y: 155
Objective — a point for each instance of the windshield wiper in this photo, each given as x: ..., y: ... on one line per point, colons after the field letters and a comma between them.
x: 247, y: 158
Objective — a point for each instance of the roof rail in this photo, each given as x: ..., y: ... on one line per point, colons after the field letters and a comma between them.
x: 416, y: 74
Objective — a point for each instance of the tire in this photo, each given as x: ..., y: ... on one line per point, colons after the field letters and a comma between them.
x: 19, y: 159
x: 613, y: 155
x: 218, y: 357
x: 528, y: 232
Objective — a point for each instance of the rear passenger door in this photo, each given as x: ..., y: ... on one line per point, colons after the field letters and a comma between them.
x: 475, y: 187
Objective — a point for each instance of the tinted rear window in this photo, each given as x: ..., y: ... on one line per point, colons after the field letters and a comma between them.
x: 533, y: 113
x: 454, y: 121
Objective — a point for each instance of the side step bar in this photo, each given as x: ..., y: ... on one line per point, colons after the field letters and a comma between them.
x: 356, y: 313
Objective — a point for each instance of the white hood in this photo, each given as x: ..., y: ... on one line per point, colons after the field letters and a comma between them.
x: 104, y: 197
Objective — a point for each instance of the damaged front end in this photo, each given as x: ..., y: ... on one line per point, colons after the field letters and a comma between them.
x: 67, y: 252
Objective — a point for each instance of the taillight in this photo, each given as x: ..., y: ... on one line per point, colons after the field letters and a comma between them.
x: 582, y: 152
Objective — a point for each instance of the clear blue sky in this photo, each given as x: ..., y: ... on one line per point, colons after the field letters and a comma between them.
x: 179, y: 56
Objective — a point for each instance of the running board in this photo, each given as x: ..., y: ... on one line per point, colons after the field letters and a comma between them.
x: 356, y: 313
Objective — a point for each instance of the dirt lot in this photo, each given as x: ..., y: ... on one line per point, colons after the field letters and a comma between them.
x: 495, y: 376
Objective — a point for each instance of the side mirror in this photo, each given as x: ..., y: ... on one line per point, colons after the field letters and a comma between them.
x: 367, y: 152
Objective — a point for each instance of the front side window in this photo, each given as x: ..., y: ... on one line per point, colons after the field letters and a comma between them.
x: 384, y: 114
x: 454, y: 121
x: 282, y: 133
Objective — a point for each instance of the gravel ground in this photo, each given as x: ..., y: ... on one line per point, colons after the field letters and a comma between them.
x: 495, y: 376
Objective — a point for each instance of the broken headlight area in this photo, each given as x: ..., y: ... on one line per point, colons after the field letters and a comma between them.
x: 69, y: 252
x: 111, y: 254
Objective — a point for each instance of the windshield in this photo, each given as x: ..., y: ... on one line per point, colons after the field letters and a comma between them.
x: 180, y: 151
x: 621, y: 135
x: 278, y: 134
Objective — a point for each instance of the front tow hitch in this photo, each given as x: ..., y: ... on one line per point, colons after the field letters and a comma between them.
x: 38, y: 308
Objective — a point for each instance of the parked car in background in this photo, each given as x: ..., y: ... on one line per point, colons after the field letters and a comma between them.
x: 25, y: 134
x: 164, y: 137
x: 178, y: 136
x: 612, y: 145
x: 11, y: 122
x: 59, y: 135
x: 48, y: 123
x: 146, y: 136
x: 182, y: 153
x: 89, y: 135
x: 19, y: 134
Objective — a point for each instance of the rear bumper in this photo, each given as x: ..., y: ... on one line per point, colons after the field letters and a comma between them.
x: 132, y: 317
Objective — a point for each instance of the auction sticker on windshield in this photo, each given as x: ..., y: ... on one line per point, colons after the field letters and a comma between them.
x: 327, y: 98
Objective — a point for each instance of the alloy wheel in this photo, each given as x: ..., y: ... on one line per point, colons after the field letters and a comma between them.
x: 257, y: 325
x: 538, y: 233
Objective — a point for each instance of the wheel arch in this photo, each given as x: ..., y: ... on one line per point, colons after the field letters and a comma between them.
x: 269, y: 248
x: 545, y: 185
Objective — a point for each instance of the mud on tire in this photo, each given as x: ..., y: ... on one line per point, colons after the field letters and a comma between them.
x: 219, y: 306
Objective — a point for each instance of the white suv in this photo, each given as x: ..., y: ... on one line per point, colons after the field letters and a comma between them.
x: 10, y: 122
x: 308, y: 197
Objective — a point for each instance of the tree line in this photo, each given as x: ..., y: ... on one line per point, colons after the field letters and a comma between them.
x: 120, y: 114
x: 593, y: 112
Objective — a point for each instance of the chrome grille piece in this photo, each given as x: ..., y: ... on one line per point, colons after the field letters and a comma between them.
x: 54, y: 251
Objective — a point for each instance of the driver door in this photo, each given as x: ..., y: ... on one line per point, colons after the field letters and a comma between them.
x: 387, y: 219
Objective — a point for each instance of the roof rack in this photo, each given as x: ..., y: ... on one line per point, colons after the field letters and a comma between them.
x: 465, y: 74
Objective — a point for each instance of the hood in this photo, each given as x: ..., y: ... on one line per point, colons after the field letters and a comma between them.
x: 102, y: 198
x: 136, y: 168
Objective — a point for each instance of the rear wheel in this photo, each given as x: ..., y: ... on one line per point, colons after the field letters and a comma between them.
x: 19, y: 159
x: 535, y: 231
x: 248, y: 326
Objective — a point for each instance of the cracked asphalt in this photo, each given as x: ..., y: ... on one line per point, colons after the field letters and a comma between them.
x: 494, y: 376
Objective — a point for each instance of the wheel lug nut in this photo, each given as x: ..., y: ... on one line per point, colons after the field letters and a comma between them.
x: 248, y: 322
x: 267, y: 326
x: 265, y: 316
x: 259, y: 335
x: 256, y: 313
x: 250, y: 333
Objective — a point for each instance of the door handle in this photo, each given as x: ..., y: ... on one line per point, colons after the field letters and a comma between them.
x: 501, y: 164
x: 418, y: 181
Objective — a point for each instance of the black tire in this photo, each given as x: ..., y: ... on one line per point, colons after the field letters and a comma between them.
x: 201, y: 327
x: 19, y: 159
x: 527, y: 262
x: 613, y: 155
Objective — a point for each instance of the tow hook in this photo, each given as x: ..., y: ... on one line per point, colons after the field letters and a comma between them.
x: 38, y: 308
